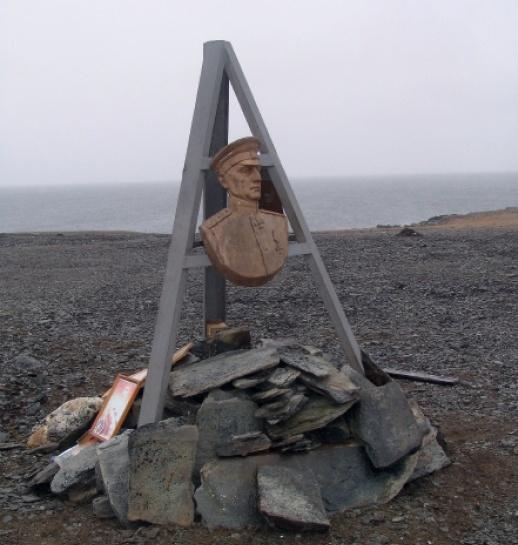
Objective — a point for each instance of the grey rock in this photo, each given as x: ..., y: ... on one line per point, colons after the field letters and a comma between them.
x: 221, y: 416
x: 44, y: 476
x: 304, y: 445
x: 314, y: 365
x: 270, y: 394
x: 283, y: 377
x: 160, y: 476
x: 114, y: 470
x: 317, y: 413
x: 311, y: 350
x: 289, y: 441
x: 76, y: 471
x: 431, y: 456
x: 102, y: 508
x: 227, y: 496
x: 384, y: 422
x: 337, y: 431
x: 337, y: 386
x: 4, y: 437
x: 82, y: 493
x: 291, y: 499
x: 214, y: 372
x: 248, y: 382
x: 277, y: 414
x: 29, y: 365
x: 245, y: 444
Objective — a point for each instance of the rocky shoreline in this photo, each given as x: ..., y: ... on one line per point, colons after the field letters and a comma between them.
x: 84, y: 304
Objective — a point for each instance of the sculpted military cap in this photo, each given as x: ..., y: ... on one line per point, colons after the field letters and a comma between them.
x: 244, y: 151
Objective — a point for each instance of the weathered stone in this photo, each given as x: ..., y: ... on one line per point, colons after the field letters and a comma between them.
x: 214, y: 372
x: 317, y: 413
x: 219, y: 420
x: 274, y: 415
x: 337, y: 386
x: 66, y: 423
x: 311, y: 350
x: 76, y: 471
x: 81, y: 494
x: 283, y: 377
x: 160, y: 476
x: 289, y: 441
x: 303, y: 445
x: 271, y: 410
x: 102, y: 508
x: 43, y: 477
x: 291, y: 499
x: 431, y: 456
x: 114, y: 469
x: 384, y: 422
x: 228, y: 495
x: 245, y: 444
x: 348, y: 480
x: 314, y: 365
x: 270, y: 394
x: 337, y: 431
x: 225, y: 340
x: 248, y: 382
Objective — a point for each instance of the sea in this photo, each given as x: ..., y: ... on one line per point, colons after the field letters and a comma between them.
x: 327, y: 203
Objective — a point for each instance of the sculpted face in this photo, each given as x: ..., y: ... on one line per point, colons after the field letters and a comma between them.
x: 243, y: 180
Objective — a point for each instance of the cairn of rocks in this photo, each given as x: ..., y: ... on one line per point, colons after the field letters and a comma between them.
x: 274, y: 434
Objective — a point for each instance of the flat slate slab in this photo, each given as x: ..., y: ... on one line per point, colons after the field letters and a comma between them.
x: 114, y: 468
x: 314, y: 365
x: 76, y: 471
x: 283, y: 377
x: 215, y: 372
x: 160, y: 475
x: 245, y: 444
x: 219, y: 418
x: 384, y: 422
x: 227, y: 497
x: 291, y: 499
x: 337, y: 386
x: 315, y: 414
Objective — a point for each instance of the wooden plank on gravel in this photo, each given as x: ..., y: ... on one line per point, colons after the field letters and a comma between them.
x: 214, y: 372
x: 420, y: 377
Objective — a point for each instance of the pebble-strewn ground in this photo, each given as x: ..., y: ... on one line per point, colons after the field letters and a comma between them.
x: 447, y: 303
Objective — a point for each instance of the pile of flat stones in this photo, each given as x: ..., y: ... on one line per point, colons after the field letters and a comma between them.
x: 274, y: 434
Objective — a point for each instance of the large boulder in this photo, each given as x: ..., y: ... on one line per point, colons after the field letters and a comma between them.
x: 160, y: 473
x: 66, y: 423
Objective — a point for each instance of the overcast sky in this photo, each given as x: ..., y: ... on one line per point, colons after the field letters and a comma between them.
x: 103, y: 90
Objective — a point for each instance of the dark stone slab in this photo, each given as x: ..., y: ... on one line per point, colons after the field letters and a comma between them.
x: 337, y: 386
x: 221, y: 416
x: 317, y: 413
x: 283, y: 409
x: 336, y: 432
x: 101, y: 508
x: 431, y: 456
x: 384, y: 422
x: 248, y: 382
x: 76, y: 471
x: 245, y: 444
x: 160, y: 475
x: 291, y: 499
x: 304, y: 445
x: 114, y: 471
x: 227, y: 496
x: 42, y: 479
x: 289, y: 441
x: 314, y: 365
x: 270, y: 394
x: 214, y: 372
x: 282, y: 377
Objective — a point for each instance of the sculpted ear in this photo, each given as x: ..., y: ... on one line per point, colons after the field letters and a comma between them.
x: 222, y: 181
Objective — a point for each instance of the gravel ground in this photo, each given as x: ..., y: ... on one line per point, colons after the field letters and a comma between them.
x: 84, y: 305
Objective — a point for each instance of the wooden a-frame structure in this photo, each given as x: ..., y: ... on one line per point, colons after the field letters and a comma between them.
x: 209, y: 133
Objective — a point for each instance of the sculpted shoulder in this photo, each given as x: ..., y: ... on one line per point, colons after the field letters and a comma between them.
x: 211, y: 222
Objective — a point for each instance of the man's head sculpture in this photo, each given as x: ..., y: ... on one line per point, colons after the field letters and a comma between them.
x: 239, y: 169
x: 246, y: 244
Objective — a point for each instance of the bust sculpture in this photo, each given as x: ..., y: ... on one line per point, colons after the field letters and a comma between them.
x: 246, y: 244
